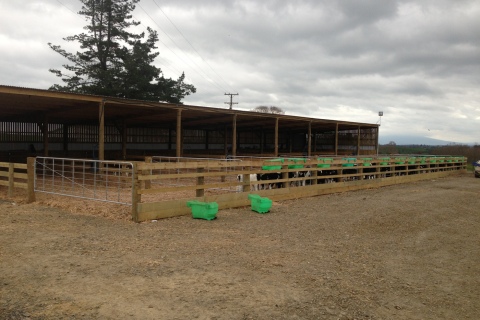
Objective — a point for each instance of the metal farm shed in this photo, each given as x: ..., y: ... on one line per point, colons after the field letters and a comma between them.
x: 50, y: 123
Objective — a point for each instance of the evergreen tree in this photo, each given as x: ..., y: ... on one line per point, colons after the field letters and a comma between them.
x: 115, y: 62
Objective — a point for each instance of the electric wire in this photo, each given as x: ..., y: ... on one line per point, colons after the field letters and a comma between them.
x: 183, y: 36
x: 165, y: 63
x: 204, y: 75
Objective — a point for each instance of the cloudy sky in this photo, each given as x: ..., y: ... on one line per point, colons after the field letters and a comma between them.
x: 417, y: 61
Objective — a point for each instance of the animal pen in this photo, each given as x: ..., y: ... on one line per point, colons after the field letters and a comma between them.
x: 155, y: 156
x: 160, y: 187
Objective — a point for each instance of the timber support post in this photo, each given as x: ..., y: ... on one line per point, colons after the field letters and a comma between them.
x: 200, y: 182
x: 179, y: 148
x: 136, y: 196
x: 101, y: 131
x: 11, y: 183
x: 30, y: 179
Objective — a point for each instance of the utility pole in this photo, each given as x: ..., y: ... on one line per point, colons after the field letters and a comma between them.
x: 231, y: 98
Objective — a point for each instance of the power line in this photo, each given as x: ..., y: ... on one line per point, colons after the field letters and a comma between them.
x: 205, y: 76
x: 190, y: 43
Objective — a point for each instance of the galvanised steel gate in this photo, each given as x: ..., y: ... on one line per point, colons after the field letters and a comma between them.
x: 107, y: 181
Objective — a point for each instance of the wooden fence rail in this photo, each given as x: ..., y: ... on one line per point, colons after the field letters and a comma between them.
x: 18, y: 176
x: 162, y: 189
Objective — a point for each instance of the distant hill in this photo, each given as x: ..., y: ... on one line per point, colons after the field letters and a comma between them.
x: 412, y: 140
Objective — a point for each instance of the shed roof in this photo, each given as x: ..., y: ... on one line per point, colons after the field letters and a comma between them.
x: 19, y: 104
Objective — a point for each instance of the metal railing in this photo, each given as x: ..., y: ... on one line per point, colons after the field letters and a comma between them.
x: 99, y: 180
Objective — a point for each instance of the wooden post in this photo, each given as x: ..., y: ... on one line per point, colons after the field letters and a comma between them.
x: 45, y: 135
x: 262, y: 142
x: 234, y: 135
x: 358, y: 142
x: 276, y: 137
x: 65, y: 140
x: 179, y: 148
x: 206, y: 139
x: 309, y: 139
x: 124, y: 140
x: 11, y: 181
x: 314, y: 176
x: 246, y: 179
x: 200, y: 182
x: 336, y: 139
x: 136, y: 197
x: 285, y: 176
x: 148, y: 183
x: 30, y: 179
x: 169, y: 139
x: 225, y: 140
x: 101, y: 131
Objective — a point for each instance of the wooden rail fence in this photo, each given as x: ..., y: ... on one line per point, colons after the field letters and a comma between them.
x: 161, y: 189
x: 18, y: 176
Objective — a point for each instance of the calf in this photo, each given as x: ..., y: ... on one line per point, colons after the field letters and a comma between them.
x: 253, y: 187
x: 270, y: 177
x: 300, y: 174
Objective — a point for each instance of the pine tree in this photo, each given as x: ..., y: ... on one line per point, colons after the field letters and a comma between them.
x: 115, y: 62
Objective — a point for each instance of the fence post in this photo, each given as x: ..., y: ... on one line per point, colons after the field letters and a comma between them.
x: 200, y: 181
x: 314, y: 172
x: 285, y: 184
x: 11, y: 182
x: 30, y: 179
x: 148, y: 183
x: 136, y: 197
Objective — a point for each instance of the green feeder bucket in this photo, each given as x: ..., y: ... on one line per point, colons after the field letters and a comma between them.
x: 384, y: 161
x: 296, y: 161
x: 273, y: 167
x: 203, y: 210
x: 367, y: 162
x: 350, y: 162
x: 259, y: 204
x: 324, y: 162
x: 412, y: 160
x: 400, y: 160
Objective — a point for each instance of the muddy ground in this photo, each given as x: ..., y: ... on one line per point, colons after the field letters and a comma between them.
x: 403, y: 252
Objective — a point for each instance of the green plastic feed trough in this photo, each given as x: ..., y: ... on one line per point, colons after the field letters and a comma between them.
x: 367, y: 162
x: 350, y: 162
x: 273, y: 166
x: 203, y: 210
x: 259, y: 204
x: 384, y: 161
x: 412, y: 160
x: 324, y: 162
x: 296, y: 161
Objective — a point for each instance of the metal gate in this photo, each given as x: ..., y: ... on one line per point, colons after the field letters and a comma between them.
x: 107, y: 181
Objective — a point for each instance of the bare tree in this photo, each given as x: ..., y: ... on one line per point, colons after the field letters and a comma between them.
x: 269, y: 109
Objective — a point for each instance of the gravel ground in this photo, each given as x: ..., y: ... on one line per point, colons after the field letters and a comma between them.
x: 401, y: 252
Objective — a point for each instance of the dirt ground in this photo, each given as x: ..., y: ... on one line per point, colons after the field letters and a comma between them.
x: 402, y: 252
